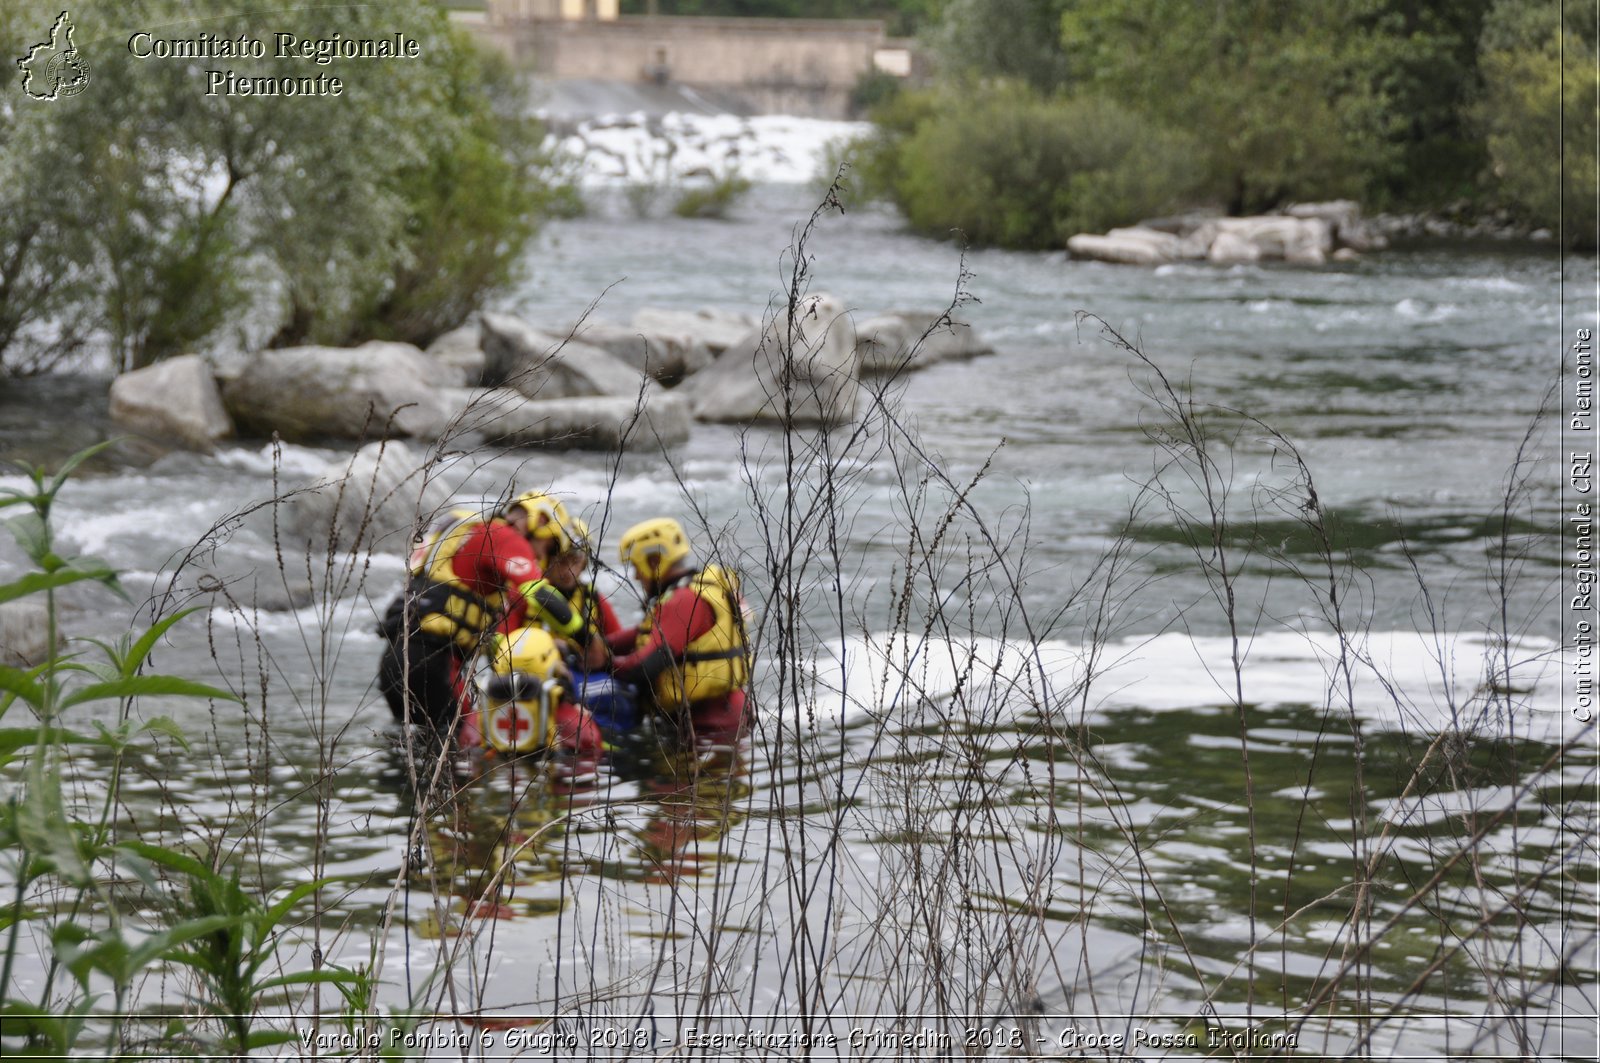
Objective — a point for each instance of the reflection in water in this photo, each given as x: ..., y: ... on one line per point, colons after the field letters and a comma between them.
x: 500, y: 825
x: 653, y: 861
x: 692, y: 792
x: 495, y: 823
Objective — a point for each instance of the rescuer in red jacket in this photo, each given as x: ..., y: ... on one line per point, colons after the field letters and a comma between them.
x: 689, y: 655
x: 469, y: 577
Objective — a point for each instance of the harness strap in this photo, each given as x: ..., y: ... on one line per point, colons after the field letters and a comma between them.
x: 427, y: 593
x: 716, y: 655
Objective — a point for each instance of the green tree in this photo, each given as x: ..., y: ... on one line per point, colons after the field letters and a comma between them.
x: 44, y: 251
x: 1285, y: 95
x: 1423, y: 58
x: 159, y: 212
x: 415, y: 243
x: 1015, y: 39
x: 1538, y: 112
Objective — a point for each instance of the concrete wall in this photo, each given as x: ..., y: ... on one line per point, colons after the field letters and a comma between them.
x: 507, y: 12
x: 794, y: 66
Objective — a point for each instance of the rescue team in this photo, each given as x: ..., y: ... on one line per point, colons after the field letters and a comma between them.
x: 511, y: 587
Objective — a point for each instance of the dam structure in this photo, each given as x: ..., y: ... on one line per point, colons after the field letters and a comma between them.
x: 585, y: 48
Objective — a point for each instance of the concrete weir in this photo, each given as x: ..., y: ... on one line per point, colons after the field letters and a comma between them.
x: 806, y: 67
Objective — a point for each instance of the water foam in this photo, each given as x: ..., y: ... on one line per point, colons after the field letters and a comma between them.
x: 1419, y: 310
x: 765, y: 148
x: 1398, y: 679
x: 288, y: 459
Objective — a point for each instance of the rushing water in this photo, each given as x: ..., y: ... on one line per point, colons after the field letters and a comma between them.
x: 953, y: 822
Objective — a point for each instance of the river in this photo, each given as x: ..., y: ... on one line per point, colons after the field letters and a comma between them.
x: 1007, y: 794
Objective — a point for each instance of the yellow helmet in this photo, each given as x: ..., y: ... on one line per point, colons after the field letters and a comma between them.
x: 565, y: 531
x: 542, y: 510
x: 654, y: 546
x: 529, y: 680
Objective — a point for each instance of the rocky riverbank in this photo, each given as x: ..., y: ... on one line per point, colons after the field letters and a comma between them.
x: 502, y: 381
x: 1307, y: 234
x: 593, y: 384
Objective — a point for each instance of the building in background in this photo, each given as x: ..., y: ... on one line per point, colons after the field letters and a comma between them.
x: 511, y: 12
x: 769, y: 65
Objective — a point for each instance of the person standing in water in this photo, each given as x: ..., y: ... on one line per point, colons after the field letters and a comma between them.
x: 689, y: 655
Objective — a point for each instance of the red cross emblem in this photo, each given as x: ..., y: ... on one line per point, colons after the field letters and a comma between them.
x: 511, y: 728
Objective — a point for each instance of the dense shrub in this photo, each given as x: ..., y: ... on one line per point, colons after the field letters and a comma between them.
x: 872, y: 90
x: 1386, y: 101
x: 1018, y: 40
x: 1538, y: 115
x: 1289, y: 99
x: 1004, y: 165
x: 463, y: 210
x: 713, y: 199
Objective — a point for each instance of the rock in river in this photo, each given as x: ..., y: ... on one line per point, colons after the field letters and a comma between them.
x: 307, y: 393
x: 545, y: 366
x: 908, y: 340
x: 599, y: 422
x: 373, y: 501
x: 172, y: 400
x: 804, y: 376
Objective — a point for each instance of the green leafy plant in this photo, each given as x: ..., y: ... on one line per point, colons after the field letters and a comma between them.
x: 229, y: 939
x: 1008, y: 166
x: 63, y: 863
x: 714, y: 198
x: 872, y: 90
x: 1538, y: 115
x: 412, y: 198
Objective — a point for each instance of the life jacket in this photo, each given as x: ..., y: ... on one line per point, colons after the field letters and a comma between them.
x: 417, y: 564
x: 444, y: 606
x: 717, y: 662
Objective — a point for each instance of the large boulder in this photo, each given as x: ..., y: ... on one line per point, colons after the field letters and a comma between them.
x: 914, y: 339
x: 461, y: 413
x: 715, y: 330
x: 176, y: 399
x: 1134, y: 246
x: 373, y: 501
x: 543, y: 366
x: 1181, y: 224
x: 1338, y: 213
x: 1195, y: 240
x: 1304, y: 241
x: 792, y: 377
x: 303, y: 393
x: 604, y: 422
x: 1232, y: 249
x: 1306, y: 235
x: 1350, y: 229
x: 460, y: 352
x: 666, y: 359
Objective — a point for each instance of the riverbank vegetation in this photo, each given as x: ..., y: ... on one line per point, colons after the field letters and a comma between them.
x: 1008, y: 166
x: 1448, y: 107
x: 149, y: 216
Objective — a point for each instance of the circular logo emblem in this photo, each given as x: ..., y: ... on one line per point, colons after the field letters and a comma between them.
x: 68, y: 73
